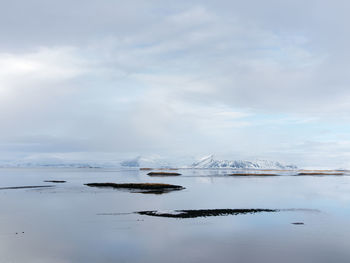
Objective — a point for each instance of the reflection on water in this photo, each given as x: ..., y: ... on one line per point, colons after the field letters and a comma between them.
x: 71, y: 222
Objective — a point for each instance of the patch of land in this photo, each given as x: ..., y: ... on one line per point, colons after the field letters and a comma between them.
x: 309, y: 170
x: 25, y: 187
x: 146, y: 188
x: 163, y: 174
x: 55, y: 181
x: 159, y: 169
x: 275, y: 170
x: 204, y: 212
x: 252, y: 174
x: 319, y: 173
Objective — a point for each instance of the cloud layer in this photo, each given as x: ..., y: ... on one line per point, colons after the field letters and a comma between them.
x: 242, y: 80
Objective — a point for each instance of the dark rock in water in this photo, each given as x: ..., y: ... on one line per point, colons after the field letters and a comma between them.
x: 25, y: 187
x: 146, y: 188
x: 204, y: 212
x: 252, y: 174
x: 320, y: 174
x: 163, y: 174
x: 55, y: 181
x: 298, y: 223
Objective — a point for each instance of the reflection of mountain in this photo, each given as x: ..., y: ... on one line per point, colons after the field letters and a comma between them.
x: 210, y: 162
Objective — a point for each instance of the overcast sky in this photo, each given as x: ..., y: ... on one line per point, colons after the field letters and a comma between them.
x: 240, y: 79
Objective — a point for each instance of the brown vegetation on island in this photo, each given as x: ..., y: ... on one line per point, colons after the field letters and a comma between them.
x: 204, y: 212
x: 163, y: 174
x: 252, y: 174
x: 320, y: 173
x: 153, y: 188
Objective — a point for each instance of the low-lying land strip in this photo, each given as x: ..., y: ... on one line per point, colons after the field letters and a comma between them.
x: 204, y: 212
x: 319, y: 173
x: 252, y: 174
x: 163, y: 174
x: 155, y: 188
x: 25, y: 187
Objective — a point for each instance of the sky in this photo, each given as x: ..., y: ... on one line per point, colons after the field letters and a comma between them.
x: 110, y: 79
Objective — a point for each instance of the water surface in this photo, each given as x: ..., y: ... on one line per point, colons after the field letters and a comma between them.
x: 71, y: 222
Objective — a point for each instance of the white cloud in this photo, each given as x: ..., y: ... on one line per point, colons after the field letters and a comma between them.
x: 174, y: 77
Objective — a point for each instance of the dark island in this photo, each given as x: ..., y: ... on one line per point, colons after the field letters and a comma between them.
x: 252, y: 174
x: 204, y: 212
x: 163, y: 174
x: 150, y: 188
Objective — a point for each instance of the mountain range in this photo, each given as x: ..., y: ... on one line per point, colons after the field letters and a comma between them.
x: 211, y: 162
x: 153, y: 161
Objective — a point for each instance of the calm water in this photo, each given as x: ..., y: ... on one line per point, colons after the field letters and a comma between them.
x: 64, y: 223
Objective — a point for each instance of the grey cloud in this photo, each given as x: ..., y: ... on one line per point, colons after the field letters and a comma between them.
x: 150, y: 76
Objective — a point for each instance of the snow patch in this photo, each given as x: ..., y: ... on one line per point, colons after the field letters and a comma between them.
x: 210, y: 162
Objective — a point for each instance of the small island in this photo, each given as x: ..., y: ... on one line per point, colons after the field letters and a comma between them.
x: 163, y: 174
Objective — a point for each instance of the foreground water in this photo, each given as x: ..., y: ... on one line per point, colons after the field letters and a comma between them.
x: 72, y: 222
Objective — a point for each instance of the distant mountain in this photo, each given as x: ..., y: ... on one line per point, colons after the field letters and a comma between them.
x: 149, y: 162
x: 152, y: 161
x: 54, y: 162
x: 48, y: 165
x: 211, y: 162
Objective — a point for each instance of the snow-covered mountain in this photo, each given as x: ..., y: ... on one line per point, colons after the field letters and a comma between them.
x: 49, y: 165
x: 153, y: 161
x: 149, y: 162
x: 211, y: 162
x: 51, y: 161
